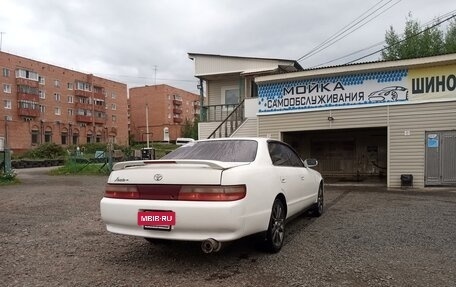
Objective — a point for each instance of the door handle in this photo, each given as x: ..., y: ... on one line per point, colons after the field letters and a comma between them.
x: 302, y: 177
x: 283, y: 180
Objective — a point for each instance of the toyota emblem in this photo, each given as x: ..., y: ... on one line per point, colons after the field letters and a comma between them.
x: 158, y: 177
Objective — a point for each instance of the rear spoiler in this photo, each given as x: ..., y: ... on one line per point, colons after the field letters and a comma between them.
x: 209, y: 163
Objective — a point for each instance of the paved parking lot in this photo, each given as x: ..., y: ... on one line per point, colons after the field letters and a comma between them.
x: 51, y: 235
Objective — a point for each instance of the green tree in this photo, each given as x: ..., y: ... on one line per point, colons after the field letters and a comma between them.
x: 190, y: 129
x: 450, y: 38
x: 418, y: 41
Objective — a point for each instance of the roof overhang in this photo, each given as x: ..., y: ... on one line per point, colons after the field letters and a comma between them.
x: 440, y: 60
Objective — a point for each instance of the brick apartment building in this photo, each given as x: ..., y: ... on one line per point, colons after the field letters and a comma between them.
x: 168, y: 109
x: 42, y: 103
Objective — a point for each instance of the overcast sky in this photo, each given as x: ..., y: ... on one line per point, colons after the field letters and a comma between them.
x: 128, y: 41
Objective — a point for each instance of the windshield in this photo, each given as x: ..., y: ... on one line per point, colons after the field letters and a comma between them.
x: 221, y: 150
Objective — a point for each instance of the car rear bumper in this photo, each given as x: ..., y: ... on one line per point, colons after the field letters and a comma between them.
x: 195, y: 221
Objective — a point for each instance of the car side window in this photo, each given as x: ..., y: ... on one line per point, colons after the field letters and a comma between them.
x: 283, y: 155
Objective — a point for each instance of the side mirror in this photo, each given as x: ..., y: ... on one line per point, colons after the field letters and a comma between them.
x: 311, y: 162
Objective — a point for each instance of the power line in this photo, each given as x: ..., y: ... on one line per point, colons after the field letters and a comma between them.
x: 403, y: 40
x: 146, y: 78
x: 350, y: 28
x: 308, y: 54
x: 379, y: 43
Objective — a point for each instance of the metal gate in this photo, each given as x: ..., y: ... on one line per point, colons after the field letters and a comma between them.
x: 440, y: 158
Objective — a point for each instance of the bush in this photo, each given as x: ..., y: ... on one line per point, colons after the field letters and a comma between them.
x: 7, y: 177
x: 45, y: 151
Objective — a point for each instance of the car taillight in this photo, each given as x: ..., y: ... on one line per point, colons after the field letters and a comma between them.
x: 212, y: 193
x: 176, y: 192
x: 121, y: 191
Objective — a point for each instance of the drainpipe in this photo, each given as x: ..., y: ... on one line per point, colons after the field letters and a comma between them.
x: 203, y: 111
x: 93, y: 109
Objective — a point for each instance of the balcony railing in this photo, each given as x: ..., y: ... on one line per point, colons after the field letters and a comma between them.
x: 100, y: 120
x: 231, y: 123
x: 177, y: 111
x: 27, y: 82
x: 28, y: 112
x: 27, y: 97
x: 177, y: 102
x: 216, y: 113
x: 178, y: 120
x: 84, y: 106
x: 83, y: 118
x: 99, y: 93
x: 82, y: 93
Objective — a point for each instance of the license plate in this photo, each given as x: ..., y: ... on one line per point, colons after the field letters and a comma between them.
x: 162, y: 220
x: 157, y: 227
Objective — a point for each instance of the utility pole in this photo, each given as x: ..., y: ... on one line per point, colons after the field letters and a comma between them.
x: 1, y: 39
x: 147, y: 124
x: 155, y: 75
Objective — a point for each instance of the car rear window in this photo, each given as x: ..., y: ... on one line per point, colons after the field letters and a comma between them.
x: 221, y: 150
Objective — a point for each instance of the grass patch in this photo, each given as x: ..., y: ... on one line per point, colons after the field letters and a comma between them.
x: 81, y: 168
x: 8, y: 178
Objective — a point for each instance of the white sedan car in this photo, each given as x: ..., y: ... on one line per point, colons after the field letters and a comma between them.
x: 213, y: 191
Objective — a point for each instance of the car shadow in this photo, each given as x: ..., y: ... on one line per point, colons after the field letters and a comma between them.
x: 250, y: 249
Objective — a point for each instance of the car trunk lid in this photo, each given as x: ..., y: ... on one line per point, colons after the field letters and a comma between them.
x: 170, y: 172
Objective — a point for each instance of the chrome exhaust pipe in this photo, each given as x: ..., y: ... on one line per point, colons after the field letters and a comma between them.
x: 210, y: 245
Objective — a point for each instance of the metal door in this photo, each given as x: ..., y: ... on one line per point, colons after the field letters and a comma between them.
x: 432, y: 158
x: 449, y: 158
x: 440, y: 158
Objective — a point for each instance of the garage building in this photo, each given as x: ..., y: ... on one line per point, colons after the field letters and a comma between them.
x: 393, y: 121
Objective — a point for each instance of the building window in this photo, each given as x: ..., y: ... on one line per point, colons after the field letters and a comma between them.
x: 7, y: 88
x: 42, y: 109
x: 75, y: 139
x: 113, y: 95
x: 42, y: 94
x: 114, y: 118
x: 70, y: 86
x: 7, y: 104
x: 9, y: 118
x: 230, y: 96
x: 70, y: 112
x: 64, y: 138
x: 47, y: 136
x: 41, y: 80
x: 113, y: 107
x: 89, y: 138
x: 57, y: 111
x: 25, y: 74
x: 70, y: 99
x: 57, y: 97
x: 83, y: 86
x: 57, y: 83
x: 35, y: 135
x: 6, y: 72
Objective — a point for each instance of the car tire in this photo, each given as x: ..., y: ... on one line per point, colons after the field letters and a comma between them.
x: 275, y: 234
x: 318, y: 207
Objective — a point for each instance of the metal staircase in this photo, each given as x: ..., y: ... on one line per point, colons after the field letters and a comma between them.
x: 231, y: 123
